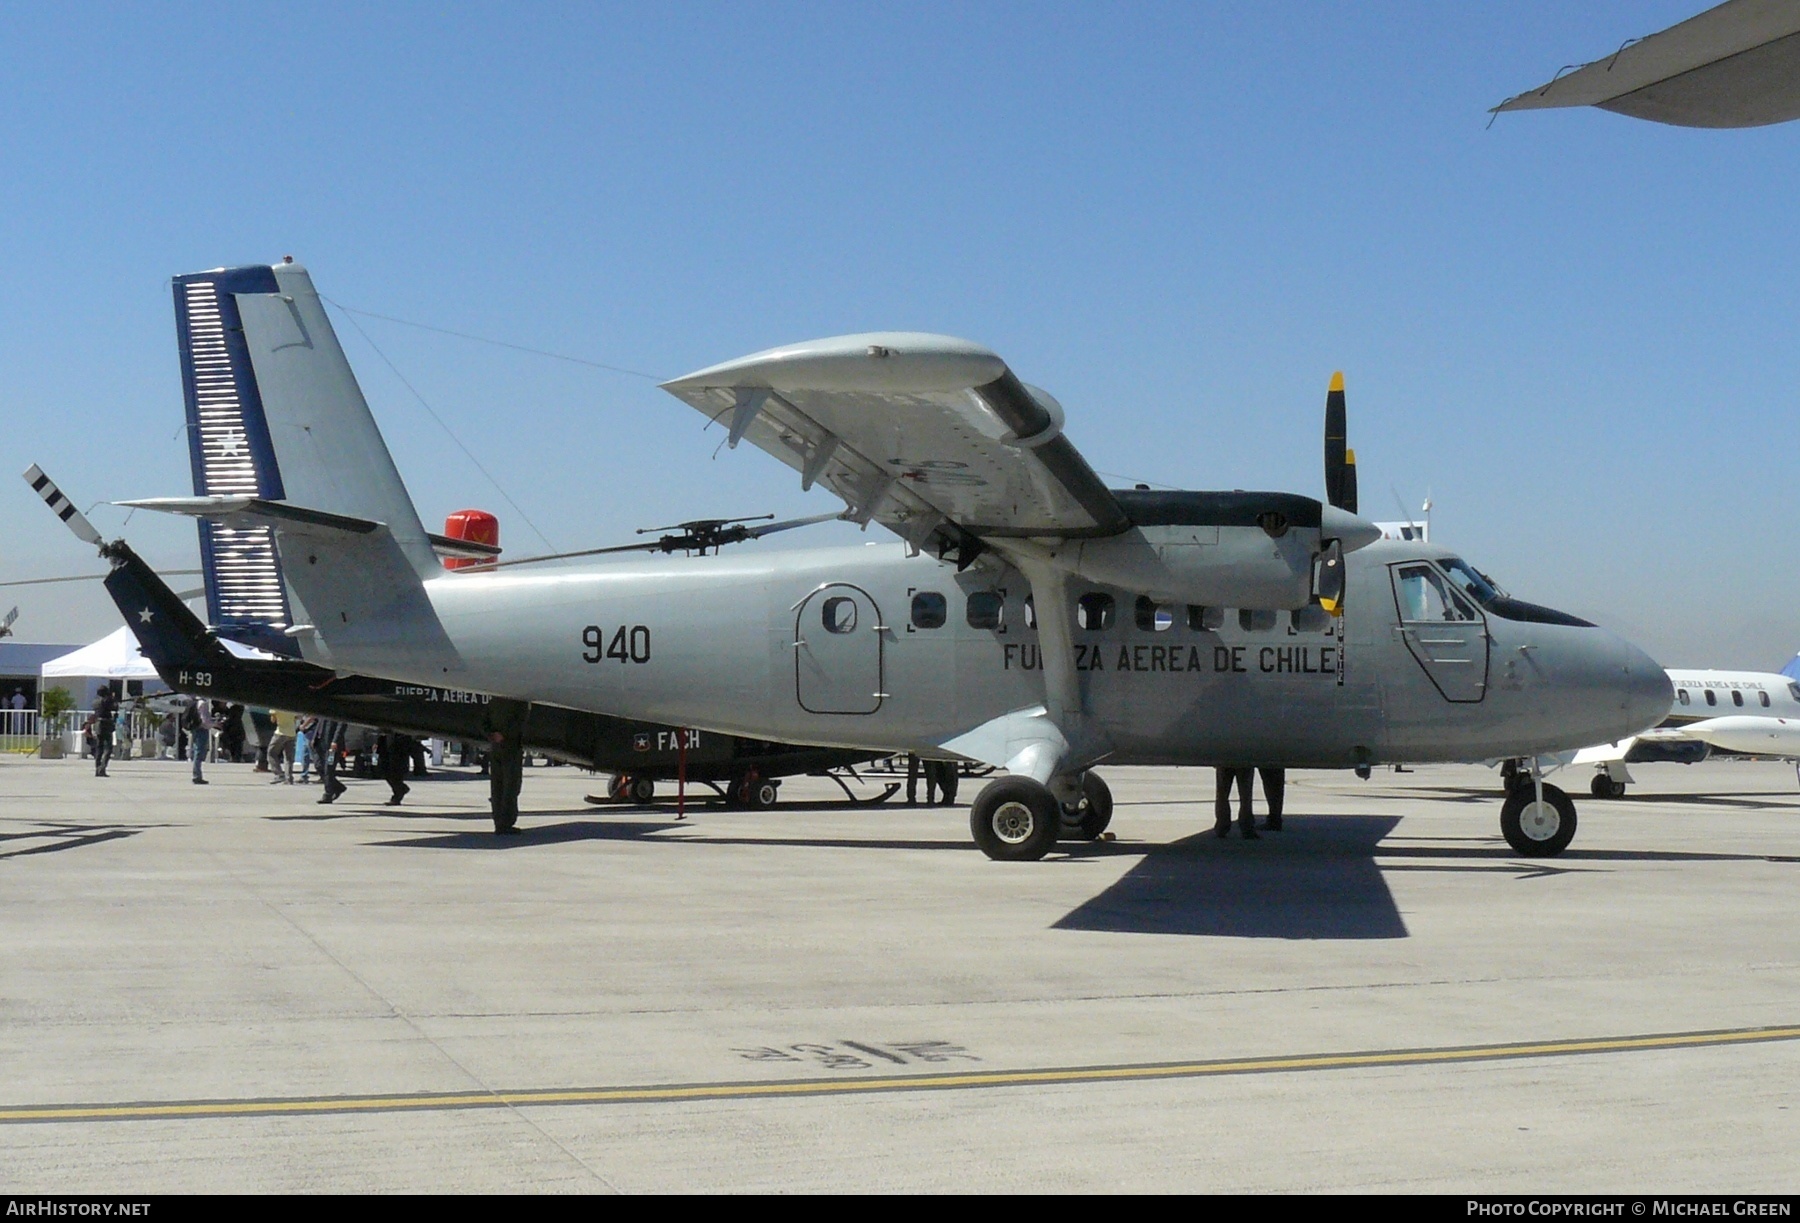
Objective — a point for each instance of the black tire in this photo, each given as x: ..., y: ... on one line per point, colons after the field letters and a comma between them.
x: 1605, y: 787
x: 1088, y: 818
x: 1534, y: 831
x: 642, y: 790
x: 617, y: 787
x: 762, y: 794
x: 1015, y: 819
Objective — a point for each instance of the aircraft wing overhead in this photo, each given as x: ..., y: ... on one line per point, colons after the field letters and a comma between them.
x: 1735, y: 65
x: 912, y: 431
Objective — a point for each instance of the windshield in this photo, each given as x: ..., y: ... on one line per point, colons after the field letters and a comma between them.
x: 1470, y: 582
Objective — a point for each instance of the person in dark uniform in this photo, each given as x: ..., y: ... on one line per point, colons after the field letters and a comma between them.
x: 503, y: 723
x: 394, y: 751
x: 1274, y: 782
x: 106, y: 721
x: 1224, y: 779
x: 912, y: 780
x: 940, y: 782
x: 330, y: 737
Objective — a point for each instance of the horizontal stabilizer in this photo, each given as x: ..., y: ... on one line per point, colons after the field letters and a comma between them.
x: 253, y: 510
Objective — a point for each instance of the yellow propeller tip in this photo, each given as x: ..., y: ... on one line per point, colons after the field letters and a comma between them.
x: 1337, y: 381
x: 1349, y: 457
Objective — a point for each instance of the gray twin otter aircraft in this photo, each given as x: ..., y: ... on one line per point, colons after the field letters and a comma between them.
x: 1028, y: 618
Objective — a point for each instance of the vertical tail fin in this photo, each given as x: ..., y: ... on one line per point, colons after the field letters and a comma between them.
x: 274, y: 411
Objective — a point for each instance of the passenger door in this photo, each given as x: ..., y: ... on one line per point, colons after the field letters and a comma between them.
x: 1443, y: 630
x: 838, y: 651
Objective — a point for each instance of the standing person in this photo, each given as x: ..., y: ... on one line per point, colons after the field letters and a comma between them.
x: 394, y: 751
x: 503, y: 724
x: 167, y: 733
x: 328, y: 739
x: 264, y: 725
x: 230, y: 731
x: 281, y: 747
x: 305, y: 731
x: 106, y: 722
x: 1274, y: 793
x: 197, y: 721
x: 1244, y: 779
x: 940, y: 782
x: 912, y: 781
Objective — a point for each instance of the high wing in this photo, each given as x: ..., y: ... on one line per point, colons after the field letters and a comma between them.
x: 913, y: 431
x: 1735, y: 65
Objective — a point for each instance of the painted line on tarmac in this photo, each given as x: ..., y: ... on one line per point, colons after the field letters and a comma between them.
x: 962, y: 1080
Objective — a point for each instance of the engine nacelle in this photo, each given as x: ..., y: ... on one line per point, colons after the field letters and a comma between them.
x: 1217, y: 566
x: 1238, y: 549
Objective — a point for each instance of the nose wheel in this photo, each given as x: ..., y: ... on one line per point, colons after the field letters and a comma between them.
x: 1534, y: 827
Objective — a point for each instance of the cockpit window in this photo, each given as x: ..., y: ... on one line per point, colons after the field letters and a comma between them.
x: 1425, y: 594
x: 1794, y: 689
x: 1468, y: 581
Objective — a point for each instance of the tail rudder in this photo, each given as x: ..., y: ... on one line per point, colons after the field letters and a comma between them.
x: 274, y: 411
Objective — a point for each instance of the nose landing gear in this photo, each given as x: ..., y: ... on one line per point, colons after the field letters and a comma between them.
x: 1538, y: 821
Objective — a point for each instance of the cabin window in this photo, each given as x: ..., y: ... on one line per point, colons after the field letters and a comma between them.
x: 1711, y: 697
x: 1205, y: 619
x: 929, y: 610
x: 1030, y: 613
x: 1794, y: 689
x: 1310, y: 619
x: 1737, y: 698
x: 1425, y: 594
x: 986, y: 609
x: 1153, y: 617
x: 1094, y: 611
x: 1255, y: 621
x: 838, y: 615
x: 1681, y: 695
x: 1764, y: 698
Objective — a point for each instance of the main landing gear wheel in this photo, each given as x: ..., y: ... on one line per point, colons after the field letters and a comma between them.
x: 1015, y: 819
x: 642, y: 790
x: 1538, y: 829
x: 1605, y: 787
x: 1089, y: 817
x: 618, y: 787
x: 758, y: 793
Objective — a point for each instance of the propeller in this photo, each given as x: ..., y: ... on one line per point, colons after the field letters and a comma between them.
x: 1340, y: 492
x: 6, y: 624
x: 702, y: 535
x: 1340, y: 460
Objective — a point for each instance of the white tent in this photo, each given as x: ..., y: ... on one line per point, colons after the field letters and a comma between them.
x: 115, y: 656
x: 118, y: 656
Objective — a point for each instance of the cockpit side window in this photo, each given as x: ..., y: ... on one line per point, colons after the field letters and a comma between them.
x: 1794, y: 689
x: 1425, y: 594
x: 1468, y: 581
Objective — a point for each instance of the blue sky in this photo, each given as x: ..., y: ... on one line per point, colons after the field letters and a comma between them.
x: 1577, y: 331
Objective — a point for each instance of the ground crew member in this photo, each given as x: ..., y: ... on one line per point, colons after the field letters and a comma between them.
x: 503, y: 724
x: 1245, y: 780
x: 1274, y: 790
x: 106, y: 715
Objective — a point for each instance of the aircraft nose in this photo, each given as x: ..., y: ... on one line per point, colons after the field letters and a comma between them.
x: 1645, y: 691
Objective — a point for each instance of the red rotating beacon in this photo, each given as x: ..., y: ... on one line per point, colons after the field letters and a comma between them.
x: 475, y: 527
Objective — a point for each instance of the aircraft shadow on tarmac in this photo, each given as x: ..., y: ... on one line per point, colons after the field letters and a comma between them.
x: 54, y: 838
x: 1749, y: 800
x: 1316, y: 882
